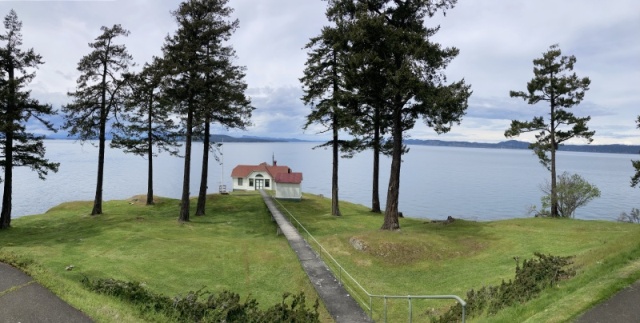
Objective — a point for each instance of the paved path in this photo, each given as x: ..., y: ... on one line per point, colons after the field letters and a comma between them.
x: 23, y: 300
x: 341, y: 306
x: 623, y: 307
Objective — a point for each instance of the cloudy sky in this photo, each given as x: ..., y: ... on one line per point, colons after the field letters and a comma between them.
x: 498, y: 39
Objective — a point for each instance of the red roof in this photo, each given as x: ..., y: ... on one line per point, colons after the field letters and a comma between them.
x: 242, y: 171
x: 289, y: 178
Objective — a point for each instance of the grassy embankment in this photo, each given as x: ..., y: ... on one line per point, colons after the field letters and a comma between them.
x: 235, y: 247
x: 436, y: 258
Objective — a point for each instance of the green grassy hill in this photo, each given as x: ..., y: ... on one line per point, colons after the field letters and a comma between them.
x: 235, y: 247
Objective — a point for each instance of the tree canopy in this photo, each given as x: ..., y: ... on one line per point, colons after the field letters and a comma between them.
x: 202, y: 82
x: 18, y: 146
x: 324, y: 90
x: 400, y: 71
x: 99, y: 96
x: 146, y: 121
x: 554, y: 82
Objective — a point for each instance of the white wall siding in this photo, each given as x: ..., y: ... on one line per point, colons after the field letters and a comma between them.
x: 252, y: 178
x: 288, y: 191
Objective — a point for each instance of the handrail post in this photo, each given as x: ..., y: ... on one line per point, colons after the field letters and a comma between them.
x: 463, y: 312
x: 370, y: 307
x: 385, y: 308
x: 410, y: 310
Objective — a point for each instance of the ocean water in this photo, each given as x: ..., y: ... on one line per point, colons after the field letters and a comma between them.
x: 436, y: 182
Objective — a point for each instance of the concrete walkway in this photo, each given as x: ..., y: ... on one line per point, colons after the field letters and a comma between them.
x: 23, y: 300
x: 623, y: 307
x: 341, y: 306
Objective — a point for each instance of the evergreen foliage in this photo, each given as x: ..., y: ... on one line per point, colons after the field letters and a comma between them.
x: 323, y: 84
x: 100, y: 95
x: 401, y: 70
x: 146, y: 120
x: 203, y: 306
x: 224, y: 102
x: 18, y: 146
x: 202, y: 83
x: 554, y: 83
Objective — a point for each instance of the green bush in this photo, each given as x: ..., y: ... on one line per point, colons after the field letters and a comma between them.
x: 534, y: 276
x: 572, y: 191
x: 204, y: 306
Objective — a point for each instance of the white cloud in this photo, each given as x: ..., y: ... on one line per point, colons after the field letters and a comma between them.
x: 498, y: 40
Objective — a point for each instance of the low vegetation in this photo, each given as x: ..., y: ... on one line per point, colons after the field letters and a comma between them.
x: 235, y: 248
x: 204, y: 306
x: 572, y: 191
x: 531, y: 279
x: 442, y: 257
x: 632, y: 217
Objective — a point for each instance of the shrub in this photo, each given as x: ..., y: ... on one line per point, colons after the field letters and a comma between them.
x: 534, y: 276
x: 573, y: 192
x: 632, y: 217
x: 204, y: 306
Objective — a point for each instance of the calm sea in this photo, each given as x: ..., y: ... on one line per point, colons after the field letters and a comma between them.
x: 436, y: 182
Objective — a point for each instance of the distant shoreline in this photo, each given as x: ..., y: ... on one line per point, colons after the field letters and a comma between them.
x: 510, y: 144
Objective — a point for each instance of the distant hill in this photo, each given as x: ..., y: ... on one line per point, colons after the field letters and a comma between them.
x: 509, y: 144
x: 225, y: 138
x: 514, y: 144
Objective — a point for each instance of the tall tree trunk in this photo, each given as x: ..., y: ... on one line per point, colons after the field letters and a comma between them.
x: 97, y: 201
x: 375, y: 191
x: 184, y: 205
x: 554, y: 191
x: 202, y: 195
x: 391, y: 221
x: 150, y: 152
x: 335, y: 203
x: 5, y: 215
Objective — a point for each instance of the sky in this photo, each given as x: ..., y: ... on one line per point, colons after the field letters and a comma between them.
x: 497, y: 39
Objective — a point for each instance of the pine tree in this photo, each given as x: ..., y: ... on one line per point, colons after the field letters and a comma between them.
x: 18, y: 146
x: 554, y: 83
x: 146, y: 122
x: 324, y: 90
x: 224, y: 103
x: 99, y: 96
x: 391, y: 36
x: 368, y: 84
x: 194, y: 58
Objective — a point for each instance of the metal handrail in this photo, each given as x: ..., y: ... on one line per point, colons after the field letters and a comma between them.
x: 369, y: 307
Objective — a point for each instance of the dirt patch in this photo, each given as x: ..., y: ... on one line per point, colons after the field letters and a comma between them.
x: 449, y: 220
x: 405, y: 252
x: 142, y: 199
x: 399, y: 253
x: 358, y: 244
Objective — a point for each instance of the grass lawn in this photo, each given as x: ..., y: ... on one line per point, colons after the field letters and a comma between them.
x: 434, y: 258
x: 235, y: 247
